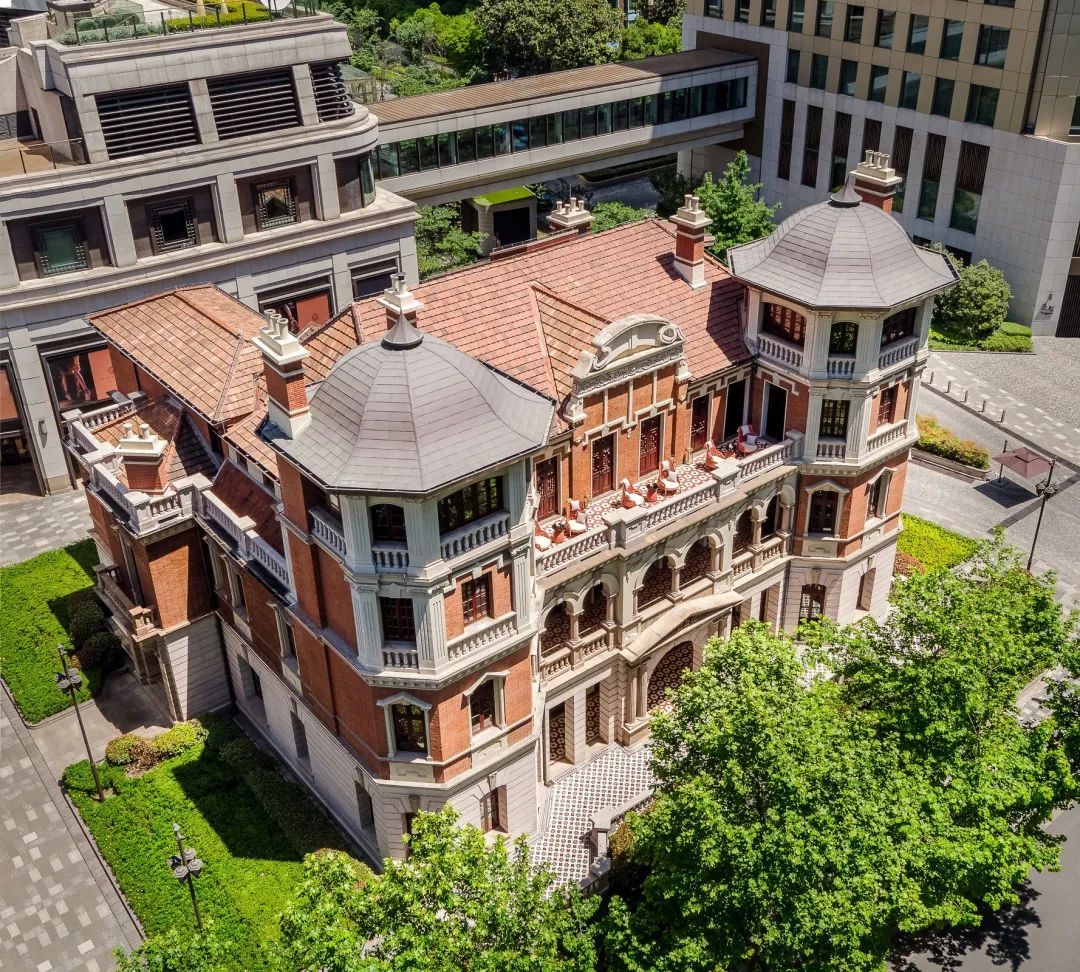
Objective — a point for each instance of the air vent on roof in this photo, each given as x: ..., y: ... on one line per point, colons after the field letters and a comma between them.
x: 248, y: 104
x: 331, y: 98
x: 147, y: 120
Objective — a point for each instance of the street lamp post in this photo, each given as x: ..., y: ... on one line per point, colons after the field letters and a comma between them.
x: 68, y: 680
x: 1045, y: 490
x: 186, y: 867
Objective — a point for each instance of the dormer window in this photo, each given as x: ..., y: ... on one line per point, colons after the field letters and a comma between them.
x: 784, y: 323
x: 387, y: 524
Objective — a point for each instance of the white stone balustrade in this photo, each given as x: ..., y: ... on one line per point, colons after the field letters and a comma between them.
x: 897, y: 352
x: 390, y: 556
x: 887, y: 436
x: 327, y: 529
x: 400, y: 658
x: 489, y: 634
x: 249, y: 545
x: 831, y: 450
x: 840, y: 366
x: 472, y: 536
x: 779, y: 351
x: 774, y: 455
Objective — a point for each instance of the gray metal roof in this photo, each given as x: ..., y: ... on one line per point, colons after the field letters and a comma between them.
x: 841, y: 253
x: 411, y: 413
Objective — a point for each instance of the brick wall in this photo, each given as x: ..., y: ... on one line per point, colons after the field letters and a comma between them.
x: 798, y: 401
x: 262, y: 620
x: 176, y: 582
x: 336, y: 597
x: 502, y: 598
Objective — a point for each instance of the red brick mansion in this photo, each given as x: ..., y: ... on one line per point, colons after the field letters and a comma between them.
x: 463, y: 536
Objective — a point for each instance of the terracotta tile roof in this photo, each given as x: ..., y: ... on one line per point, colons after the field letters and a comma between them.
x: 241, y: 494
x: 493, y: 312
x: 244, y: 436
x: 186, y: 455
x: 197, y: 342
x: 523, y: 90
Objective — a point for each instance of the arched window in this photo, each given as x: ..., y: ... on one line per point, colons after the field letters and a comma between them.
x: 387, y: 523
x: 812, y: 602
x: 744, y: 533
x: 656, y: 584
x: 698, y: 562
x: 593, y: 611
x: 843, y: 336
x: 556, y: 631
x: 772, y: 518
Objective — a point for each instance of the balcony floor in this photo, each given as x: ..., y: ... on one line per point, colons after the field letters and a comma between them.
x: 613, y: 778
x: 20, y: 157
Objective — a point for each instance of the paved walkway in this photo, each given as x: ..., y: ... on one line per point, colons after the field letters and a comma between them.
x: 58, y: 907
x: 31, y: 526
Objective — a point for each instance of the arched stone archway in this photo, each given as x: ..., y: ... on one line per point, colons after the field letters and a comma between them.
x: 556, y: 629
x: 593, y: 610
x: 698, y: 561
x: 656, y: 584
x: 668, y: 673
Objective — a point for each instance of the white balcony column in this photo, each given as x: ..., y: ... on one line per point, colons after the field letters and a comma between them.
x: 517, y: 489
x: 430, y: 623
x: 523, y: 603
x: 118, y: 226
x: 816, y: 352
x: 368, y: 625
x: 676, y: 581
x: 327, y: 203
x: 813, y: 422
x: 753, y: 317
x: 642, y: 697
x: 356, y: 525
x: 914, y: 392
x: 858, y: 430
x: 204, y: 112
x: 922, y: 321
x: 575, y: 624
x: 422, y: 533
x: 868, y: 344
x: 231, y: 223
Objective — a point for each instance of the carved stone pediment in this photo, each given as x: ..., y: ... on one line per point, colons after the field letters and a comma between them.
x: 626, y: 348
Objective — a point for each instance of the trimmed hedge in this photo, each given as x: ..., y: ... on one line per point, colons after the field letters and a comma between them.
x: 1015, y: 338
x: 252, y: 862
x: 132, y: 749
x: 940, y: 441
x: 39, y: 598
x: 924, y: 545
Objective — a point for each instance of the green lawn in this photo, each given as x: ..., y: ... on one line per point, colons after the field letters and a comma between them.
x: 1008, y: 337
x: 932, y: 545
x: 250, y: 827
x: 36, y: 598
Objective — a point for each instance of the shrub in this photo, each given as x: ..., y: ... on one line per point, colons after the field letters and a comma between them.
x: 905, y: 565
x: 940, y: 441
x: 1002, y: 340
x: 932, y: 546
x: 101, y: 650
x: 241, y: 754
x: 975, y: 306
x: 122, y: 750
x: 86, y: 619
x: 179, y: 738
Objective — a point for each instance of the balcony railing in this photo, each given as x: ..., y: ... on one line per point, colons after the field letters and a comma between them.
x: 840, y: 366
x: 474, y: 535
x: 831, y: 450
x: 389, y: 556
x: 327, y: 529
x: 780, y: 351
x: 19, y: 157
x: 142, y: 511
x: 135, y: 619
x: 570, y: 655
x: 401, y: 658
x: 887, y: 436
x: 248, y: 544
x: 618, y: 526
x: 897, y: 352
x: 116, y: 27
x: 491, y: 633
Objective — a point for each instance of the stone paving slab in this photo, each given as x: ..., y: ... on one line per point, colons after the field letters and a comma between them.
x: 58, y: 909
x: 32, y: 526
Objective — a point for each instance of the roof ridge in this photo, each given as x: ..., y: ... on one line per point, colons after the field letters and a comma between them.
x: 179, y: 294
x: 226, y: 385
x: 829, y: 256
x: 570, y: 303
x: 538, y: 323
x: 861, y: 212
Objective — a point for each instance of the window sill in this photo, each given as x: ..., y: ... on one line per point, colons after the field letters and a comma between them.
x: 406, y: 757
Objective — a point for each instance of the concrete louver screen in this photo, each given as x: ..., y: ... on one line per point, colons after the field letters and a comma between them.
x: 332, y: 101
x: 147, y: 120
x: 249, y: 104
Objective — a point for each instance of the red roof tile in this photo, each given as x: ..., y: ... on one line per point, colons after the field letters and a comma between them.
x: 241, y: 494
x: 197, y: 342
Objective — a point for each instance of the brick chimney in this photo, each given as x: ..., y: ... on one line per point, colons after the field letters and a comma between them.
x: 690, y: 224
x: 401, y: 306
x: 875, y: 181
x: 143, y: 455
x: 570, y: 214
x: 283, y: 369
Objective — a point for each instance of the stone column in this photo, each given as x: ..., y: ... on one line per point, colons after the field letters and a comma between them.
x: 118, y: 226
x: 676, y: 581
x: 9, y: 273
x: 305, y: 94
x: 813, y: 423
x: 368, y: 625
x: 204, y: 111
x: 328, y: 205
x: 356, y: 525
x: 430, y: 630
x: 231, y: 226
x: 858, y: 430
x: 575, y: 727
x: 522, y: 588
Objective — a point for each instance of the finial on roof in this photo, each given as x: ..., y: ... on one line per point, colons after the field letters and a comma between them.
x: 401, y: 310
x: 847, y: 197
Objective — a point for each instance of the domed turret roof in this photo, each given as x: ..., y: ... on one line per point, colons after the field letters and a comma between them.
x: 842, y: 253
x: 410, y: 413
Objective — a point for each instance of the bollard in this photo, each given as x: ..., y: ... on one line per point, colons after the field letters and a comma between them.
x: 965, y: 396
x: 948, y: 386
x: 982, y: 408
x: 931, y: 381
x: 1002, y: 419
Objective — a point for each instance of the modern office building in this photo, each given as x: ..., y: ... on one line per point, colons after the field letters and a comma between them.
x: 225, y: 154
x: 977, y: 103
x: 464, y: 537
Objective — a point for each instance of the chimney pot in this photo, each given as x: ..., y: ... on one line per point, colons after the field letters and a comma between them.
x: 572, y: 215
x: 875, y: 181
x: 690, y: 225
x: 283, y: 369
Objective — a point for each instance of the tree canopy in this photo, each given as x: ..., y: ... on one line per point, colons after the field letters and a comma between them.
x: 801, y: 821
x: 975, y: 306
x: 455, y: 904
x: 441, y: 243
x: 607, y: 215
x: 738, y: 213
x: 548, y: 35
x: 646, y: 38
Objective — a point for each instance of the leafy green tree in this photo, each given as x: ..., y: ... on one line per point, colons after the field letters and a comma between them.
x: 660, y: 11
x: 780, y: 836
x: 441, y: 243
x: 976, y: 305
x: 548, y: 35
x: 179, y: 951
x: 646, y: 38
x: 735, y: 206
x: 671, y: 188
x: 430, y: 33
x: 416, y: 79
x: 607, y: 215
x: 455, y: 904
